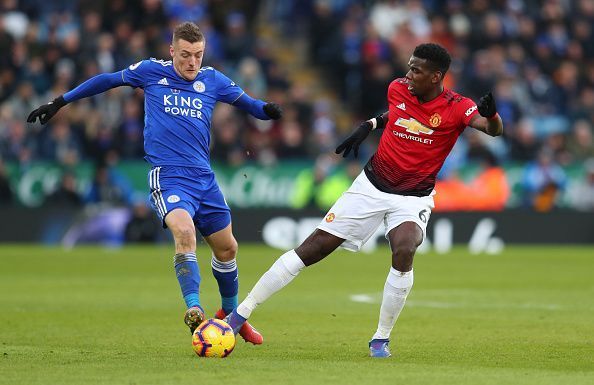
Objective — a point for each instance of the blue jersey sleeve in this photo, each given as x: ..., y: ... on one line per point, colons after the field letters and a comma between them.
x: 95, y: 85
x: 253, y: 106
x: 231, y: 93
x: 136, y: 74
x: 227, y: 90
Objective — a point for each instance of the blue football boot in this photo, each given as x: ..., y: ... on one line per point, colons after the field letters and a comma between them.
x: 235, y: 321
x: 379, y: 348
x: 242, y: 326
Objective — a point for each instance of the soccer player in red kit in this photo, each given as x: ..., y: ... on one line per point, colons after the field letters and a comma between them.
x: 396, y: 186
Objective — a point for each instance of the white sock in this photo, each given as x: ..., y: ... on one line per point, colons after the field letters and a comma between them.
x: 396, y: 289
x: 280, y: 274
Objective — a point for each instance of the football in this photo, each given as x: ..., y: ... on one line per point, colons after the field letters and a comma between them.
x: 213, y: 338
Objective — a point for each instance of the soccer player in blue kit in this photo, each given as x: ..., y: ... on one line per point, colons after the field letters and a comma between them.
x: 179, y: 99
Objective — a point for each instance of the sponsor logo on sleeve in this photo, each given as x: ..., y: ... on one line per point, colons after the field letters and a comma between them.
x: 470, y: 110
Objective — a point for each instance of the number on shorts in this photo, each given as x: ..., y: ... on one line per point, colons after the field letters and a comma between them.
x: 423, y: 216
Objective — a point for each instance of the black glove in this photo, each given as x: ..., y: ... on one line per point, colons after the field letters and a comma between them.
x: 354, y: 141
x: 273, y: 110
x: 486, y: 106
x: 45, y: 112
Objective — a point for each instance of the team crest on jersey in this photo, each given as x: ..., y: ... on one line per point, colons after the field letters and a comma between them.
x: 330, y: 217
x: 435, y: 120
x: 173, y: 199
x: 199, y: 86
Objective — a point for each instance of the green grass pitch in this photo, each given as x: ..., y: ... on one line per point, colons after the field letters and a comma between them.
x: 98, y: 316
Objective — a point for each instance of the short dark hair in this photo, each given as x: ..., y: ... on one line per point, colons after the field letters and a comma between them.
x: 188, y: 31
x: 435, y: 54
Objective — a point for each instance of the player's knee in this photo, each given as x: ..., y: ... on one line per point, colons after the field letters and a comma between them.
x: 404, y: 251
x: 227, y: 253
x: 402, y: 257
x: 232, y: 250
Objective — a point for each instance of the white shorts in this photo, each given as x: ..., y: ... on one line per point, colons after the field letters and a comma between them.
x: 357, y: 214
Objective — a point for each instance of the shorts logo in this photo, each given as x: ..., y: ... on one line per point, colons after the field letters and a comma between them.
x: 173, y: 199
x: 435, y: 120
x: 423, y: 216
x: 330, y: 217
x: 199, y: 86
x: 134, y: 66
x: 470, y: 111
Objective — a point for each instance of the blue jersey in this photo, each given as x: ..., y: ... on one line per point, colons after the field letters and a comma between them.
x: 177, y: 134
x: 178, y: 112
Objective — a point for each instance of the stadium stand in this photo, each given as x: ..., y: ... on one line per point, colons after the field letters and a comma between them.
x: 537, y: 57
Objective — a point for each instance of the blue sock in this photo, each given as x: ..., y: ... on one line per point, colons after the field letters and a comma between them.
x: 227, y: 278
x: 188, y: 276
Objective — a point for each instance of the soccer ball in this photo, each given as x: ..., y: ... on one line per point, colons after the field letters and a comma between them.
x: 213, y: 338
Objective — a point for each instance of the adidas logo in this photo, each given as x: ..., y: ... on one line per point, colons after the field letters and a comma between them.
x: 402, y: 106
x: 163, y: 82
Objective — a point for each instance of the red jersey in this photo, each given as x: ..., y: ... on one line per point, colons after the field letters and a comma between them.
x: 417, y: 139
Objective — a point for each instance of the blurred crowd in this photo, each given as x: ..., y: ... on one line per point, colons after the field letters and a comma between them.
x: 536, y: 56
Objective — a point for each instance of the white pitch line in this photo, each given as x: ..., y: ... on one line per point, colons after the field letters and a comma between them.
x: 376, y: 298
x: 365, y: 298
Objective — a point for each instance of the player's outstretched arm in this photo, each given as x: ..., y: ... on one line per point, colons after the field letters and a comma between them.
x: 93, y: 86
x: 258, y: 108
x: 47, y: 111
x: 273, y: 110
x: 489, y: 120
x: 358, y: 136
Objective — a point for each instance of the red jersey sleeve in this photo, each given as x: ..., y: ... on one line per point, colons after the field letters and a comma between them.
x: 467, y: 109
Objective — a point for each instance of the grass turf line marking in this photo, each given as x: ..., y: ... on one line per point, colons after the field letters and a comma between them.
x: 376, y: 298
